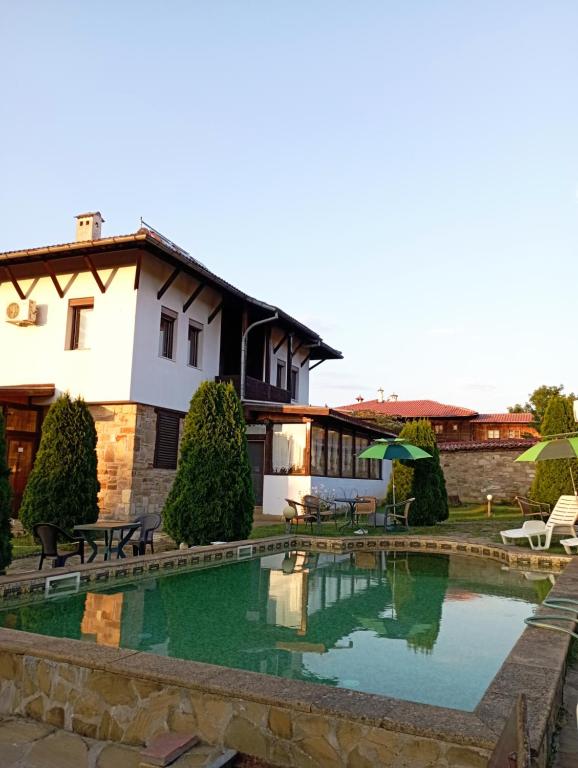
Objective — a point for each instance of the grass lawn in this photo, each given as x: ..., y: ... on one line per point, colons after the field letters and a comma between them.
x: 467, y: 521
x: 23, y: 546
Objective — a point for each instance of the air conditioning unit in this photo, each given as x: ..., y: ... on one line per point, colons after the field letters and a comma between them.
x: 21, y: 312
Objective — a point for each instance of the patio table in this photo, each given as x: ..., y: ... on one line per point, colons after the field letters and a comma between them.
x: 350, y: 517
x: 125, y: 530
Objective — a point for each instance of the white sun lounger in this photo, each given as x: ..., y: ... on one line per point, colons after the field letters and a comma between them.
x: 539, y: 534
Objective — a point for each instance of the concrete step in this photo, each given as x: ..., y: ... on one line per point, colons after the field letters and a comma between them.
x: 199, y: 756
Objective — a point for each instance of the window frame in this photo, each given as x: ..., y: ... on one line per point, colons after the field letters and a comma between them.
x: 160, y: 460
x: 294, y: 382
x: 171, y: 316
x: 493, y: 434
x: 280, y: 374
x: 198, y: 328
x: 75, y: 307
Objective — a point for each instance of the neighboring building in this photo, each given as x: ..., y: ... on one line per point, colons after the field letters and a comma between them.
x: 134, y: 324
x: 450, y: 422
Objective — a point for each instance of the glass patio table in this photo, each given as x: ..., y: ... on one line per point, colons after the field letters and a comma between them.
x: 350, y: 516
x: 89, y: 531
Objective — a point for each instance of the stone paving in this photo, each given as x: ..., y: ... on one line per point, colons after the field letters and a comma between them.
x: 28, y: 744
x: 567, y: 740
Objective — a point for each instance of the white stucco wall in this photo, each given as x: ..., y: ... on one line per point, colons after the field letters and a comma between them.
x: 277, y: 488
x: 156, y: 380
x: 37, y: 354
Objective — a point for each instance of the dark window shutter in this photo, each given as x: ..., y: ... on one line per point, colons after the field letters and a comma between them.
x: 167, y: 440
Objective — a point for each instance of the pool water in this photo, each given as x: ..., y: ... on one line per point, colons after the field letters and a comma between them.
x: 427, y: 628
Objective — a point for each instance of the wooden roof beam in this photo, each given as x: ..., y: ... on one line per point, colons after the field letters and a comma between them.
x: 214, y: 313
x: 168, y: 282
x: 277, y: 347
x: 15, y: 283
x: 306, y: 360
x: 90, y: 264
x: 51, y: 273
x: 194, y: 295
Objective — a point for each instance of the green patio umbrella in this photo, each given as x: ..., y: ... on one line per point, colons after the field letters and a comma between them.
x: 555, y: 448
x: 393, y: 448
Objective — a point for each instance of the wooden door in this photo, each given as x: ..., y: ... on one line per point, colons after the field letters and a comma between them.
x: 20, y: 460
x: 256, y: 457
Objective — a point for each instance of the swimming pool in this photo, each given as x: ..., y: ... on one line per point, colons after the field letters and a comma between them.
x: 426, y: 628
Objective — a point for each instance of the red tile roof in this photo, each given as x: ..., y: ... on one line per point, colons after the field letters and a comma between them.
x: 487, y: 445
x: 504, y: 418
x: 412, y: 409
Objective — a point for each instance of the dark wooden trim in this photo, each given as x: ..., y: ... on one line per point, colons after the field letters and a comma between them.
x: 214, y: 313
x: 168, y: 282
x: 268, y: 450
x: 311, y: 367
x: 277, y: 347
x: 52, y: 275
x: 194, y: 295
x: 15, y: 283
x: 267, y: 377
x: 289, y: 363
x: 137, y: 271
x: 87, y: 303
x: 308, y: 447
x: 90, y: 264
x: 306, y: 360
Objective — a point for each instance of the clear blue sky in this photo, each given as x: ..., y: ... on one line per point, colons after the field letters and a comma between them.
x: 402, y: 176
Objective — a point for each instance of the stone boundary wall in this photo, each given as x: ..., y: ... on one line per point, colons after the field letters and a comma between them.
x: 129, y: 696
x: 472, y: 474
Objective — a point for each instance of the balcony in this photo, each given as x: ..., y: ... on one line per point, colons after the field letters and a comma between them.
x: 258, y: 390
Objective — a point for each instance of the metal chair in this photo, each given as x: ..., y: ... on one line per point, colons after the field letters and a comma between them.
x: 301, y: 514
x: 49, y: 535
x: 399, y: 513
x: 144, y: 535
x: 319, y: 508
x: 531, y: 508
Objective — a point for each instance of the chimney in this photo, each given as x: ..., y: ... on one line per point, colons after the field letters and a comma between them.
x: 380, y: 395
x: 88, y: 226
x: 359, y: 399
x: 392, y: 398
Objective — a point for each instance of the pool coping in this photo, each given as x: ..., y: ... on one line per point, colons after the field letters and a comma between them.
x: 533, y: 667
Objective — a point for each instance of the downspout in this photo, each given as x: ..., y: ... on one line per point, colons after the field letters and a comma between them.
x: 244, y: 349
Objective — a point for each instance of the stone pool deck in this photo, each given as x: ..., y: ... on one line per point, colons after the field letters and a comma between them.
x: 126, y: 696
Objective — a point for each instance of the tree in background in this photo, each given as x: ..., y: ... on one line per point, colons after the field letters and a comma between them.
x: 422, y: 479
x: 390, y: 423
x: 63, y: 487
x: 5, y: 498
x: 538, y: 402
x: 553, y: 477
x: 212, y: 495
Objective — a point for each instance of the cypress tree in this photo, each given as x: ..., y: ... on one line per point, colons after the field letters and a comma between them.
x: 5, y: 499
x: 423, y: 479
x: 62, y: 488
x: 212, y: 494
x: 553, y: 477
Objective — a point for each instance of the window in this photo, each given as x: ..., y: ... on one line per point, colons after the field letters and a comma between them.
x: 294, y: 383
x: 280, y: 380
x: 493, y: 434
x: 289, y: 449
x: 79, y: 322
x: 375, y: 469
x: 513, y: 433
x: 455, y: 427
x: 333, y: 458
x: 318, y: 451
x: 195, y: 337
x: 361, y: 465
x: 438, y: 428
x: 347, y: 455
x: 167, y: 439
x: 167, y: 333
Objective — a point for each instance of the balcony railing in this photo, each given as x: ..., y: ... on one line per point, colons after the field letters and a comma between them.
x: 258, y: 390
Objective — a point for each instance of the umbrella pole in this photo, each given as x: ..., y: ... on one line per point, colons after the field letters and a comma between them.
x: 393, y: 481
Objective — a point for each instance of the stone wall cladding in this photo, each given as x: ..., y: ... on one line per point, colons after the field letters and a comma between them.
x: 471, y: 475
x: 130, y: 485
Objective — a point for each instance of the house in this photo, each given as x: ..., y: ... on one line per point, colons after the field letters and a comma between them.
x: 134, y: 324
x: 451, y: 423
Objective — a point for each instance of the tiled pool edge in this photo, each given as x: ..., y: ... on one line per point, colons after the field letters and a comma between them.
x: 85, y: 687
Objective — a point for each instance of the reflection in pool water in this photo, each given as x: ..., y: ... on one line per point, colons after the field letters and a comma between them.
x: 429, y: 628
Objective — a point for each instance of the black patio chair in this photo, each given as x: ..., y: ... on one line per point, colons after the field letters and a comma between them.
x: 144, y: 535
x: 49, y: 536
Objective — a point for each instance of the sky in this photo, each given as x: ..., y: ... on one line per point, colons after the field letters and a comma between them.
x: 400, y: 176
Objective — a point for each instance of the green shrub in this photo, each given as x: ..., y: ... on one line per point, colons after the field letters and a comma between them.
x: 422, y: 479
x: 5, y: 499
x: 62, y: 488
x: 553, y: 478
x: 212, y: 495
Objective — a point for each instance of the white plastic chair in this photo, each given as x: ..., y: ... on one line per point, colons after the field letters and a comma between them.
x: 539, y: 534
